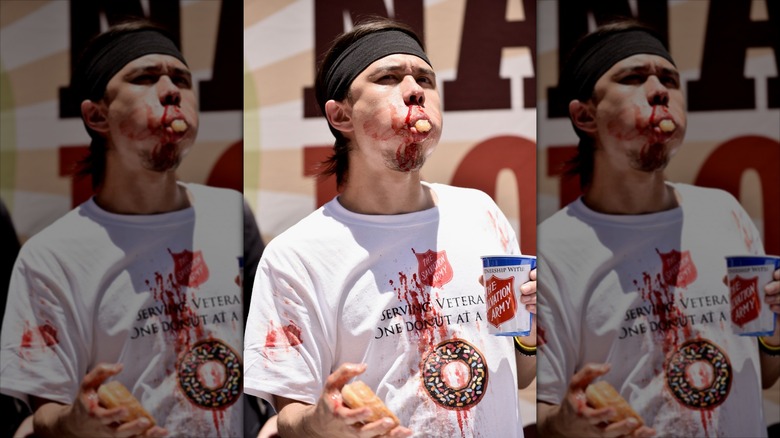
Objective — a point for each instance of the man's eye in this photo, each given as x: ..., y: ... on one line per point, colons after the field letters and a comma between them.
x: 670, y: 81
x: 182, y: 81
x: 144, y: 79
x: 632, y: 79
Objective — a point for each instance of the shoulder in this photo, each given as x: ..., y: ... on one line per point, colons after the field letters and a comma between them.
x: 207, y: 195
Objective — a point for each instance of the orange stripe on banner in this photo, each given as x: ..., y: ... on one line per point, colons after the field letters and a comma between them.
x: 13, y: 11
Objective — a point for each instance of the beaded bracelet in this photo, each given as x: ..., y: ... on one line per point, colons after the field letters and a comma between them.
x: 524, y: 349
x: 768, y: 349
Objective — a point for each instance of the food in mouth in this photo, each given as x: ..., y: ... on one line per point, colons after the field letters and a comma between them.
x: 357, y: 395
x: 114, y: 394
x: 666, y: 125
x: 602, y: 395
x: 179, y: 125
x: 422, y: 125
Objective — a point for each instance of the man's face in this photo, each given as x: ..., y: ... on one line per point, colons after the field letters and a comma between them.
x: 634, y: 102
x: 146, y: 103
x: 386, y: 100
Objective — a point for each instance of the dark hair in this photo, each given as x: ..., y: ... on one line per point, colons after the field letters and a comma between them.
x: 94, y: 163
x: 338, y: 163
x: 582, y: 163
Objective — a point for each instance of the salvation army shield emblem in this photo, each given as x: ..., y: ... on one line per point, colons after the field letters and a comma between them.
x: 678, y: 268
x: 189, y: 268
x: 745, y: 302
x: 434, y: 268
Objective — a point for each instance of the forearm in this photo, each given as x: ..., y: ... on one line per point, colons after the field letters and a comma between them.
x: 526, y: 369
x: 545, y: 419
x: 294, y: 420
x: 50, y: 420
x: 770, y: 365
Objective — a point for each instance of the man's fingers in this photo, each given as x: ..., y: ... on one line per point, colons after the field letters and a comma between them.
x: 621, y: 428
x: 583, y: 377
x: 99, y: 374
x: 341, y: 376
x: 533, y: 274
x: 377, y: 428
x: 353, y: 416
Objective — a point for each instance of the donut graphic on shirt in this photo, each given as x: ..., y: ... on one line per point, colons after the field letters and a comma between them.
x: 455, y: 374
x: 699, y: 374
x: 210, y: 375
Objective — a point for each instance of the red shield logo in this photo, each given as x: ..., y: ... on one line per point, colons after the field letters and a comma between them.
x: 745, y: 302
x: 500, y: 300
x: 189, y: 268
x: 434, y: 268
x: 678, y: 268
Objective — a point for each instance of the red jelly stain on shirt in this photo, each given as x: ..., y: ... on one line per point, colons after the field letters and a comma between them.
x: 283, y: 336
x: 501, y: 231
x: 426, y: 320
x: 185, y: 326
x: 747, y: 236
x: 464, y: 423
x: 44, y: 335
x: 672, y: 326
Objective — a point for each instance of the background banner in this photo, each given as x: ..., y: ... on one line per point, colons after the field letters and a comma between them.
x: 728, y: 55
x: 41, y: 134
x: 483, y: 54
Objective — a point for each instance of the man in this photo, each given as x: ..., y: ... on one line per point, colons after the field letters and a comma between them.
x: 381, y: 284
x: 141, y: 283
x: 632, y: 288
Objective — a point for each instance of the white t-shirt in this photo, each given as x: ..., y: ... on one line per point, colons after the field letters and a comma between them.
x: 159, y: 294
x: 400, y: 293
x: 645, y: 293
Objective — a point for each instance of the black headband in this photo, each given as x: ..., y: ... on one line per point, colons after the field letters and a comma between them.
x: 607, y: 52
x: 360, y: 54
x: 118, y: 53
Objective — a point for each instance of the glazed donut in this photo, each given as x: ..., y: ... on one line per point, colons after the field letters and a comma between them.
x: 422, y: 125
x: 602, y: 395
x: 114, y: 394
x: 666, y: 125
x: 681, y: 385
x: 459, y: 353
x: 179, y: 125
x: 357, y: 395
x: 191, y: 382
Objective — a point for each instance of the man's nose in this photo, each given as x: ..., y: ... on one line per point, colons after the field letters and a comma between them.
x: 169, y: 92
x: 414, y: 94
x: 658, y: 94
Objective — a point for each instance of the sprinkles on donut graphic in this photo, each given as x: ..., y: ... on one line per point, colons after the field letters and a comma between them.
x: 699, y: 375
x: 455, y: 374
x: 210, y: 375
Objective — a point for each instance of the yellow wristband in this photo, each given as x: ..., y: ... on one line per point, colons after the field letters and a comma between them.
x: 524, y: 349
x: 772, y: 350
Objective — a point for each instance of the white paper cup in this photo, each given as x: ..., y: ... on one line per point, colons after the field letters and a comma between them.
x: 750, y: 315
x: 503, y: 275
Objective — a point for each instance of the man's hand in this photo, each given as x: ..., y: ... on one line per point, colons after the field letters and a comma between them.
x: 86, y: 418
x: 772, y: 293
x: 574, y: 418
x: 528, y: 291
x: 330, y: 417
